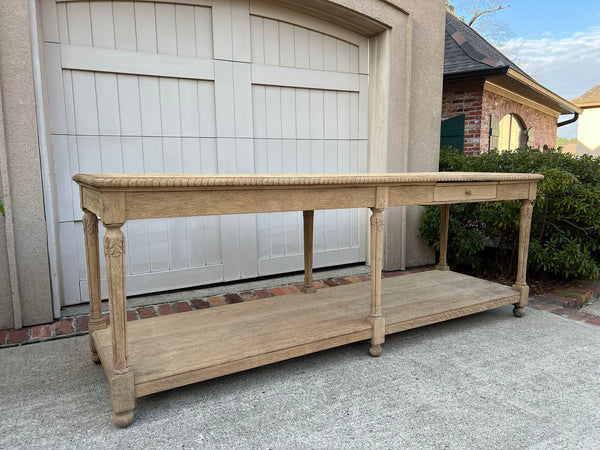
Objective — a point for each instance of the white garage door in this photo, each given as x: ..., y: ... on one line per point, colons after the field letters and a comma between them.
x: 205, y: 87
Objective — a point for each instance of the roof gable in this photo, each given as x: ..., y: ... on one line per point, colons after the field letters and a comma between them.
x: 591, y: 97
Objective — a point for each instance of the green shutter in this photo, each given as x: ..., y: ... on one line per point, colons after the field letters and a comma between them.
x: 453, y: 132
x: 494, y: 132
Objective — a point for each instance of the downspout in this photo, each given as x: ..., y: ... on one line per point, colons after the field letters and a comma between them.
x: 567, y: 122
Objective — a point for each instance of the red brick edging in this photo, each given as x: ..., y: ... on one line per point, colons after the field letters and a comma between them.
x: 564, y: 302
x: 567, y: 302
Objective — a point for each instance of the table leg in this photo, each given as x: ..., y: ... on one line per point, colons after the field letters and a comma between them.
x: 521, y: 283
x: 92, y: 261
x: 444, y: 223
x: 309, y: 286
x: 375, y: 316
x: 121, y: 377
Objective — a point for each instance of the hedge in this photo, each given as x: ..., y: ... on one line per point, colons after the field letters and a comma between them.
x: 565, y: 233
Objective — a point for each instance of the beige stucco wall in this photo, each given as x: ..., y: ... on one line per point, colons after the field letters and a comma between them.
x: 588, y: 132
x: 20, y: 148
x: 6, y: 310
x: 423, y: 127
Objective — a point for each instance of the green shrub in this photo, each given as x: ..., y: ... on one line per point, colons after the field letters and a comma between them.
x: 565, y: 233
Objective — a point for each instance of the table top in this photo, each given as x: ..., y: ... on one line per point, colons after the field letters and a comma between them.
x: 154, y: 181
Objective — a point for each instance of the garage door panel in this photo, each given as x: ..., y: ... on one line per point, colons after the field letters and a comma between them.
x: 69, y: 275
x: 273, y: 111
x: 123, y: 19
x: 301, y: 48
x: 316, y: 114
x: 84, y: 102
x: 284, y: 95
x: 344, y: 114
x: 288, y: 113
x: 101, y: 14
x: 79, y: 23
x: 129, y: 105
x: 109, y: 104
x: 166, y: 37
x: 75, y: 169
x: 280, y: 13
x: 315, y: 42
x: 190, y: 117
x: 137, y: 246
x: 63, y: 178
x: 278, y: 43
x: 111, y: 156
x: 169, y: 107
x: 183, y: 30
x: 54, y: 81
x: 150, y: 106
x: 295, y: 113
x: 286, y: 45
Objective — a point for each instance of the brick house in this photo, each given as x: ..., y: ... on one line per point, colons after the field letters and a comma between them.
x: 489, y: 102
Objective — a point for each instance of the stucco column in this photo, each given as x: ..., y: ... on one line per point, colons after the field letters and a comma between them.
x: 23, y: 176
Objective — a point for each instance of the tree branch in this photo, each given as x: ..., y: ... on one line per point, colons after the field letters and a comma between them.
x: 477, y: 13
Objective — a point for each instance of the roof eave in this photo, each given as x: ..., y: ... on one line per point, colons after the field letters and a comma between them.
x: 588, y: 105
x: 564, y: 106
x: 472, y: 74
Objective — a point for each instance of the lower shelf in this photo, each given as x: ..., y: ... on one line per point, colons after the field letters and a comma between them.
x: 171, y: 351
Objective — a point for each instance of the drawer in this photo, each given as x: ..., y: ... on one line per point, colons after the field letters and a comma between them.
x: 464, y: 193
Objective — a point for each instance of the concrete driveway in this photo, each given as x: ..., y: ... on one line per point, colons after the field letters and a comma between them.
x: 484, y: 381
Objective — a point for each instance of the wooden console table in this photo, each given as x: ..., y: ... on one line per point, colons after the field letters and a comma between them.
x: 153, y: 355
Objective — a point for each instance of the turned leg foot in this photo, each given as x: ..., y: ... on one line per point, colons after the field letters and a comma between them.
x: 519, y: 311
x: 375, y: 350
x: 122, y: 396
x: 123, y: 419
x: 95, y: 358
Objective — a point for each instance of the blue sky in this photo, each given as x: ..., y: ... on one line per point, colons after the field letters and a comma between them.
x: 556, y: 42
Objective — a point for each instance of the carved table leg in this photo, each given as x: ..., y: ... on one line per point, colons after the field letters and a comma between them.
x: 521, y: 283
x: 445, y: 221
x: 375, y: 317
x: 92, y: 260
x: 121, y: 378
x: 309, y: 286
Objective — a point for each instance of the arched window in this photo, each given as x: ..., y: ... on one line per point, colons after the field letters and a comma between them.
x: 511, y: 133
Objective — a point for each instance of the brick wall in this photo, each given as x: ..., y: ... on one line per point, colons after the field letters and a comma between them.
x: 477, y: 104
x: 465, y: 99
x: 544, y: 124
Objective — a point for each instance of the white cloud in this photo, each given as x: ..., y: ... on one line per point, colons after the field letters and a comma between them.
x: 568, y: 66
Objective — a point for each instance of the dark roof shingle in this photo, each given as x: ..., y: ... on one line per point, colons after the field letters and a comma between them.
x: 467, y: 51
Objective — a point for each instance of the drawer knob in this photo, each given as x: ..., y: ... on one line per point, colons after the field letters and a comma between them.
x: 467, y: 192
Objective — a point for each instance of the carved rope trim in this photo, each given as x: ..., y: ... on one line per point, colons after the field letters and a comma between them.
x: 184, y: 181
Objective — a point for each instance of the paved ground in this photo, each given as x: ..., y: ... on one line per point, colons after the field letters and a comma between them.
x: 483, y: 381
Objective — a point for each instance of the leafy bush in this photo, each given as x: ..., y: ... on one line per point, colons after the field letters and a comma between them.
x: 565, y: 233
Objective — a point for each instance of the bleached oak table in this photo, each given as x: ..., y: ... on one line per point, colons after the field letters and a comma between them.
x: 152, y: 355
